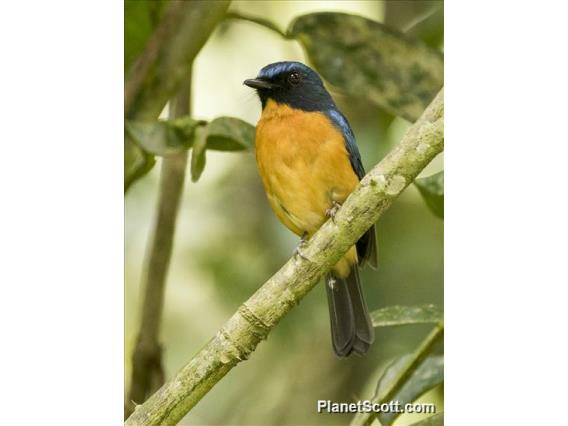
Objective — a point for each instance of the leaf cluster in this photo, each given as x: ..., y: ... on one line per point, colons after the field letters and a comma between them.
x: 169, y: 137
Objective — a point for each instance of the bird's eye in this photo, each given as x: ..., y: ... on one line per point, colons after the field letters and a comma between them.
x: 294, y: 78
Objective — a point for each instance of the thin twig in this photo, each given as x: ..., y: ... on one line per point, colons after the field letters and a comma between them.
x: 147, y: 369
x: 254, y: 320
x: 257, y: 20
x: 419, y: 355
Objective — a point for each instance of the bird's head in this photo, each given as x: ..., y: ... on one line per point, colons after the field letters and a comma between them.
x: 293, y: 84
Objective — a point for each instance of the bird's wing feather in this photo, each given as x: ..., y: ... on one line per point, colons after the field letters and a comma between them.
x: 339, y: 120
x: 367, y: 245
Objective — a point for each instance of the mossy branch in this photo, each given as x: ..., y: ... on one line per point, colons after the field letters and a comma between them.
x: 254, y: 320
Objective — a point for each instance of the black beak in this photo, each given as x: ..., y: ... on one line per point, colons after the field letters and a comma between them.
x: 256, y: 83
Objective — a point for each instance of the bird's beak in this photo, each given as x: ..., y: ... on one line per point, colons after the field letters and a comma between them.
x: 256, y: 83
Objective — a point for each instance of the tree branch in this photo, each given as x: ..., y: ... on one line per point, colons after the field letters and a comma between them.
x: 252, y: 322
x: 147, y: 369
x: 157, y: 74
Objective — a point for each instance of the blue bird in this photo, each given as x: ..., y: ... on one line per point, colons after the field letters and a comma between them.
x: 309, y: 163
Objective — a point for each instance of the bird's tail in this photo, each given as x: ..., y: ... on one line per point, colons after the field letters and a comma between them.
x: 351, y: 327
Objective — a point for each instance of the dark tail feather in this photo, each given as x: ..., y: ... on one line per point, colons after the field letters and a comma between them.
x: 367, y: 248
x: 351, y: 327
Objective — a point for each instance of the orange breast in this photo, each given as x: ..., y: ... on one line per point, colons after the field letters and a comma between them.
x: 304, y: 166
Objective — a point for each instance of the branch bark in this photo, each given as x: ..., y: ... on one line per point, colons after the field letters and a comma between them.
x: 147, y: 369
x: 253, y: 321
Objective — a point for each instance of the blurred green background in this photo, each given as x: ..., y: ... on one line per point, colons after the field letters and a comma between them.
x: 228, y: 242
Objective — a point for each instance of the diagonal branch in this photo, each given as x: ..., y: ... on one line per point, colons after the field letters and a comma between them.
x: 157, y: 74
x: 394, y: 387
x: 254, y: 320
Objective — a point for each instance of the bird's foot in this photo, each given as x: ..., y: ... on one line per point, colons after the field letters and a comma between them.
x: 298, y: 249
x: 332, y: 211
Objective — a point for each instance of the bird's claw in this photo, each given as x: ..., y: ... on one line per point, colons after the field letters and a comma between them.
x: 298, y: 253
x: 332, y: 211
x: 297, y: 250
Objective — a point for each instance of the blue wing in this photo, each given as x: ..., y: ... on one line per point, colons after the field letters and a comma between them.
x: 342, y: 124
x: 367, y: 244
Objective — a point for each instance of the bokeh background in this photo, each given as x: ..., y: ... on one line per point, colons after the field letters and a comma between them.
x: 228, y: 242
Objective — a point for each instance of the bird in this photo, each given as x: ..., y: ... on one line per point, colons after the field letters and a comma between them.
x: 309, y: 163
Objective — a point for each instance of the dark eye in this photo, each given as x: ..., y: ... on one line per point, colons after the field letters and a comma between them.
x: 294, y: 78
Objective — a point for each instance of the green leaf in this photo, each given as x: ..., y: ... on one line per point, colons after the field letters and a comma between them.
x: 435, y: 420
x: 198, y: 155
x: 432, y: 190
x: 136, y: 162
x: 143, y: 140
x: 140, y: 19
x: 403, y: 315
x: 163, y: 137
x: 230, y: 134
x: 427, y: 376
x: 367, y: 59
